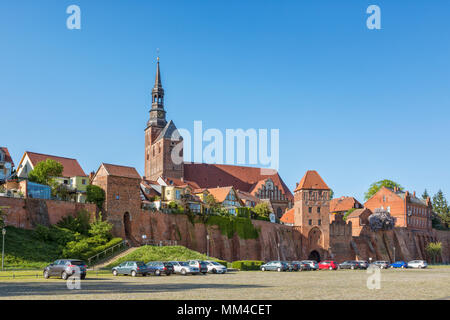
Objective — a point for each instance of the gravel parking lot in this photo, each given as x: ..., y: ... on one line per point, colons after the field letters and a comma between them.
x: 432, y: 283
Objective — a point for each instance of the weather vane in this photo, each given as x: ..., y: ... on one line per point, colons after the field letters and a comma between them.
x: 157, y: 54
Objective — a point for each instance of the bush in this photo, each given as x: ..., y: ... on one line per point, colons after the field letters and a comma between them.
x: 88, y: 247
x: 246, y: 265
x: 102, y: 229
x: 78, y: 224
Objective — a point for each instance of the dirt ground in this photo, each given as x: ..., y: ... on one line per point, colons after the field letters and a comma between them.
x: 432, y: 283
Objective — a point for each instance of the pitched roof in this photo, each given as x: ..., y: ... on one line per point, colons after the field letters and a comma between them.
x: 8, y: 157
x: 71, y: 166
x: 288, y: 217
x: 220, y: 193
x: 312, y: 180
x: 121, y: 171
x: 247, y: 196
x: 344, y: 204
x: 357, y: 212
x: 170, y: 131
x: 181, y: 183
x: 240, y: 177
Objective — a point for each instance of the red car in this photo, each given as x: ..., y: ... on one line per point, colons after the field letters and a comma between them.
x: 328, y: 264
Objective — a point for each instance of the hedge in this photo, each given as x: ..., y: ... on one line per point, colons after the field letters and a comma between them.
x: 245, y: 265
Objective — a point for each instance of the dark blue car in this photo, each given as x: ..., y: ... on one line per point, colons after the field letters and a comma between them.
x: 399, y: 264
x: 159, y: 267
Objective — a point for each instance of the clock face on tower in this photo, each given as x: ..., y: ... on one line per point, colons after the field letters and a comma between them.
x: 160, y: 114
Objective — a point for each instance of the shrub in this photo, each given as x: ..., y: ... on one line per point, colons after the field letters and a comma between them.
x: 246, y: 265
x: 102, y: 229
x: 78, y: 224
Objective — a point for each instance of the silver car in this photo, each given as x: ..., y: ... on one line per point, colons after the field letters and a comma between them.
x: 419, y: 264
x: 183, y: 268
x: 312, y: 263
x: 215, y: 267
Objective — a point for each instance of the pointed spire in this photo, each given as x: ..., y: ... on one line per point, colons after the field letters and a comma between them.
x: 158, y: 75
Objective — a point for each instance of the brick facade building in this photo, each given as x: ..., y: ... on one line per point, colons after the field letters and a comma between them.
x: 411, y: 212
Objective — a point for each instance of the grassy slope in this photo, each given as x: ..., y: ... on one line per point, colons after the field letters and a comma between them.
x: 24, y: 250
x: 151, y: 253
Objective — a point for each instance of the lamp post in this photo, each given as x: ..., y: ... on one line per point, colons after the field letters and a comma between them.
x: 278, y: 251
x: 394, y: 253
x: 3, y: 246
x: 207, y: 245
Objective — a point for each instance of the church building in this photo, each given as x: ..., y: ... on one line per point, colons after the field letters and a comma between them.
x: 164, y: 159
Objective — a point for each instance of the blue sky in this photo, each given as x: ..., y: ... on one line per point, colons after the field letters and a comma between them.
x: 357, y: 105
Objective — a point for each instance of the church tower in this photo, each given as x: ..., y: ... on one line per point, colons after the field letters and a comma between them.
x: 163, y: 143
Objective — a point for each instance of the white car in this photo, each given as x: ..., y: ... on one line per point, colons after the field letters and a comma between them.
x: 215, y: 267
x: 183, y: 268
x: 419, y: 264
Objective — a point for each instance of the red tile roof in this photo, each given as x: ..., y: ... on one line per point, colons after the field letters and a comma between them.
x: 8, y: 157
x: 288, y: 217
x: 221, y: 193
x: 356, y: 213
x: 312, y: 180
x: 121, y: 171
x: 240, y: 177
x: 181, y: 183
x: 71, y: 166
x: 344, y: 204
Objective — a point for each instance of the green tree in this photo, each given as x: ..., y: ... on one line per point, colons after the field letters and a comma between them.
x: 45, y: 171
x: 95, y: 194
x: 331, y: 194
x: 441, y: 208
x: 425, y: 195
x: 262, y: 209
x: 213, y: 205
x: 434, y: 250
x: 374, y: 187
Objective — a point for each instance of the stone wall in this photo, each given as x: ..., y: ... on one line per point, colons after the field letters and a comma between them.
x: 161, y: 226
x: 400, y: 244
x: 28, y: 213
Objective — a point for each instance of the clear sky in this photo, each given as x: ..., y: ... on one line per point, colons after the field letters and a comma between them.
x: 357, y: 105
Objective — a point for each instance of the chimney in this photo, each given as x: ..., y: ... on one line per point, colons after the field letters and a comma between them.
x: 296, y: 184
x: 182, y: 179
x: 414, y: 194
x: 395, y: 189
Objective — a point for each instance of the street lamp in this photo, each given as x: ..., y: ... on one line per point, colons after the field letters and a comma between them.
x: 278, y: 251
x: 394, y: 253
x: 3, y: 247
x: 207, y: 245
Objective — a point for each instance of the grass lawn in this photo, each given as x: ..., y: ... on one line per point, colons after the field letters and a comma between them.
x: 395, y: 284
x: 169, y: 253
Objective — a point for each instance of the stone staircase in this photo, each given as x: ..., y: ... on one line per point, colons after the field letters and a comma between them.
x: 110, y: 260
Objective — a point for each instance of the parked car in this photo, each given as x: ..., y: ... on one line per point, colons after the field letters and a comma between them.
x: 292, y: 266
x: 399, y: 264
x: 64, y: 268
x: 183, y: 268
x: 312, y: 264
x: 132, y: 268
x: 275, y: 266
x: 302, y: 266
x: 328, y: 264
x: 215, y: 267
x: 419, y: 264
x: 349, y: 264
x: 363, y: 264
x: 160, y: 267
x: 381, y: 264
x: 201, y: 265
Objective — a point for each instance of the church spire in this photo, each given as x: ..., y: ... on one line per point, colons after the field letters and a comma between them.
x: 157, y: 112
x: 158, y: 75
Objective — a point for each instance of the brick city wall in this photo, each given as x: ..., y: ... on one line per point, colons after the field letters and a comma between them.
x: 28, y: 213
